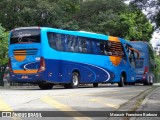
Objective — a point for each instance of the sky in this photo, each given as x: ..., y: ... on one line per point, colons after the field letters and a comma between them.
x: 155, y: 39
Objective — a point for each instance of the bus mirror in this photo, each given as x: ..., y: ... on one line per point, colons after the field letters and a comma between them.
x: 137, y: 55
x: 136, y: 52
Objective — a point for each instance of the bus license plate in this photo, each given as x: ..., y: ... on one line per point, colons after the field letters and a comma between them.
x: 24, y: 77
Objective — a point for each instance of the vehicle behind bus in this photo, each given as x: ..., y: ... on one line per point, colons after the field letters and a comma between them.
x: 145, y: 65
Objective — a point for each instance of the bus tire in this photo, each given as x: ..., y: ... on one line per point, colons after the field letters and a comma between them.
x: 147, y: 81
x: 74, y: 80
x: 66, y: 86
x: 95, y: 84
x: 151, y: 81
x: 45, y: 86
x: 133, y: 83
x: 151, y: 84
x: 125, y: 83
x: 121, y: 83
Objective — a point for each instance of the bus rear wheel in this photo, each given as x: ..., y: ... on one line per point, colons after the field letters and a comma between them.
x: 121, y: 83
x: 74, y: 81
x: 95, y: 84
x: 45, y: 86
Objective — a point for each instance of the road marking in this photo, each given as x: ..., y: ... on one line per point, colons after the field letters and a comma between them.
x: 63, y: 108
x: 107, y: 104
x: 5, y: 107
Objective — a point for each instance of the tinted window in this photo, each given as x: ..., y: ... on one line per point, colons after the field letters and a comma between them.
x: 68, y: 43
x: 71, y: 43
x: 111, y: 48
x: 139, y: 63
x: 25, y: 35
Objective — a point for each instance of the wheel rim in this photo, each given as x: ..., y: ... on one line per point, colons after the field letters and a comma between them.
x: 122, y: 78
x: 75, y: 80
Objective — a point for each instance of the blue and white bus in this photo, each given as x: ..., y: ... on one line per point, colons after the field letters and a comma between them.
x: 145, y: 66
x: 49, y: 56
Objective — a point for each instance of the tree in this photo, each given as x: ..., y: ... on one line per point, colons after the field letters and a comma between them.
x: 111, y: 17
x: 100, y: 16
x: 153, y: 9
x: 52, y: 13
x: 114, y: 18
x: 3, y: 46
x: 136, y: 24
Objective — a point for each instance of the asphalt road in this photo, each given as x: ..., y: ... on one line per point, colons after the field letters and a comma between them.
x: 85, y: 98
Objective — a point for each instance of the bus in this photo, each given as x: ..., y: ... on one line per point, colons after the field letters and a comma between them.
x: 49, y: 56
x: 145, y: 66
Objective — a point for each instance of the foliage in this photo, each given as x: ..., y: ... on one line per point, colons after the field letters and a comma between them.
x: 3, y: 46
x: 100, y: 16
x: 136, y: 25
x: 157, y: 71
x: 52, y: 13
x: 111, y: 17
x: 152, y: 7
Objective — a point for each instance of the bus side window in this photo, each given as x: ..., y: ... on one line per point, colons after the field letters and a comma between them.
x: 132, y: 58
x: 89, y: 46
x: 65, y: 42
x: 51, y: 40
x: 58, y: 42
x: 84, y: 46
x: 96, y: 47
x: 71, y: 43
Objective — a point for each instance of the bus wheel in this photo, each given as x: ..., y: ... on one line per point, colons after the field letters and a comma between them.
x: 67, y: 86
x: 133, y: 83
x: 147, y: 81
x: 75, y: 80
x: 151, y: 81
x: 45, y: 86
x: 121, y: 83
x: 95, y: 84
x: 151, y: 84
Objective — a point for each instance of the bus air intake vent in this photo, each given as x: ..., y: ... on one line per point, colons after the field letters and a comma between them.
x: 25, y: 52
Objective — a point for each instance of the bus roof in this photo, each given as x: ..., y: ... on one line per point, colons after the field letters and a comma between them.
x: 139, y: 45
x: 84, y: 34
x: 76, y: 33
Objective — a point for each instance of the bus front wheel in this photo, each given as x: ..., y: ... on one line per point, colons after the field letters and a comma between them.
x: 74, y: 81
x: 45, y: 86
x: 95, y: 84
x: 121, y: 83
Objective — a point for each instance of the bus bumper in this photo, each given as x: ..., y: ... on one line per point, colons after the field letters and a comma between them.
x: 30, y: 78
x: 141, y: 78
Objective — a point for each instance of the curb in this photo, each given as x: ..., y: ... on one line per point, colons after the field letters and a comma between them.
x: 146, y: 100
x: 128, y: 106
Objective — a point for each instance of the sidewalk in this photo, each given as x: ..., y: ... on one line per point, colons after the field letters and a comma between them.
x: 150, y: 103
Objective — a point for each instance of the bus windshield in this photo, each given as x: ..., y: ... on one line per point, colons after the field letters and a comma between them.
x: 25, y: 36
